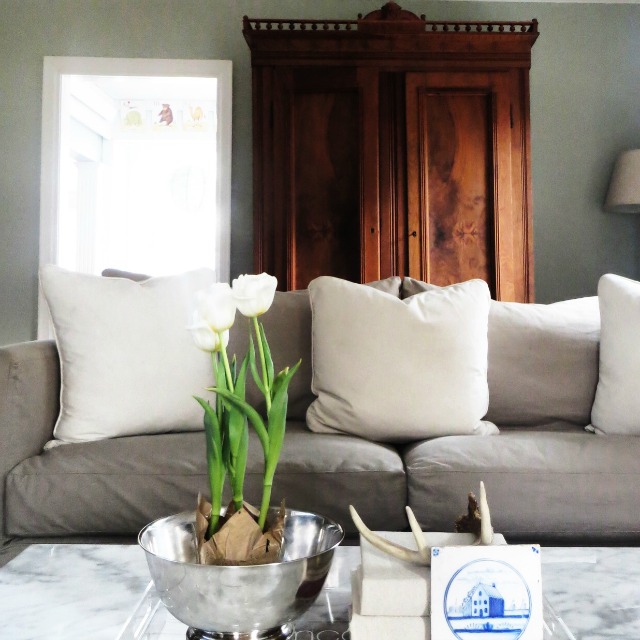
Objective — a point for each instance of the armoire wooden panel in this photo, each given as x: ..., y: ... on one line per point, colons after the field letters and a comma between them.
x: 392, y: 145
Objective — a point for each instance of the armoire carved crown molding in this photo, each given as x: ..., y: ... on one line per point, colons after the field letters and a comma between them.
x: 391, y: 18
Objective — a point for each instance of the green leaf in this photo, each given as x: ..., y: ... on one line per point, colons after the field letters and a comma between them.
x: 238, y: 435
x: 278, y: 418
x: 215, y: 462
x: 267, y: 356
x: 238, y: 444
x: 211, y: 426
x: 226, y: 449
x: 276, y: 429
x: 241, y: 378
x: 279, y: 380
x: 237, y: 484
x: 234, y: 364
x: 235, y: 428
x: 254, y: 417
x: 254, y: 367
x: 221, y: 381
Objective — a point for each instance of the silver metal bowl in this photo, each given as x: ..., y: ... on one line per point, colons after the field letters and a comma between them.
x: 242, y: 602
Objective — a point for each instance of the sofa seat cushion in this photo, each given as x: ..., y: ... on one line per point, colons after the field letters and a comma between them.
x: 118, y: 485
x: 540, y: 485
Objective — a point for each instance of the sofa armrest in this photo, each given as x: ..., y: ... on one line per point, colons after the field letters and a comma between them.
x: 29, y: 405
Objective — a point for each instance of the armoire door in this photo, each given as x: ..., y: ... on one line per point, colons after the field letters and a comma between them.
x: 461, y: 218
x: 320, y: 154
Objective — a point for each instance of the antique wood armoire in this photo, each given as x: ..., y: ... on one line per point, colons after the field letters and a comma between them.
x: 393, y: 145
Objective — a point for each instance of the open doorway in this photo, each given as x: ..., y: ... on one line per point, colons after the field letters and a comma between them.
x: 136, y: 158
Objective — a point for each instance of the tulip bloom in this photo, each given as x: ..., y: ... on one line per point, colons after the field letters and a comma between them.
x: 217, y: 306
x: 205, y: 337
x: 254, y: 293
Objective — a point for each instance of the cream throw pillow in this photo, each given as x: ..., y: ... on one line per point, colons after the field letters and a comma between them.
x: 393, y: 370
x: 616, y: 408
x: 128, y: 364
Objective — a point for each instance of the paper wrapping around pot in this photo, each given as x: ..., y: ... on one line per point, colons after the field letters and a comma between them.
x: 239, y: 540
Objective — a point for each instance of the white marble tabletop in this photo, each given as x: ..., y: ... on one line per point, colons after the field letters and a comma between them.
x: 69, y: 592
x: 64, y: 592
x: 596, y: 590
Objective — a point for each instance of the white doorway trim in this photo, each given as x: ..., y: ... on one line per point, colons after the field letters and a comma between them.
x: 53, y: 71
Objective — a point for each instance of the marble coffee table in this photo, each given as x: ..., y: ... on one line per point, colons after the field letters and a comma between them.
x: 100, y: 592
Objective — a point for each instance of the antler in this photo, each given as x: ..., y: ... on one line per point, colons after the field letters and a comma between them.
x: 393, y: 549
x: 423, y: 554
x: 477, y: 520
x: 486, y: 530
x: 423, y: 549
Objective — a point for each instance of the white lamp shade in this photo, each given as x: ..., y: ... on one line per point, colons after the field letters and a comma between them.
x: 624, y: 188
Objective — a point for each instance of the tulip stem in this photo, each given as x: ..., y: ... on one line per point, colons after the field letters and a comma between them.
x: 263, y: 364
x: 225, y: 362
x: 266, y: 499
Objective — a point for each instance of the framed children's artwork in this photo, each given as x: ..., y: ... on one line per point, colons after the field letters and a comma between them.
x: 486, y: 593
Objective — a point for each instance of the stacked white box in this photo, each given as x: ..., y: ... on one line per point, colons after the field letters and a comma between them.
x: 391, y: 598
x: 383, y: 627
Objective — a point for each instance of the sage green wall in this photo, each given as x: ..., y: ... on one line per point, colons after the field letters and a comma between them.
x: 585, y: 107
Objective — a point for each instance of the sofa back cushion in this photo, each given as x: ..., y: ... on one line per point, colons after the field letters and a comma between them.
x: 543, y: 360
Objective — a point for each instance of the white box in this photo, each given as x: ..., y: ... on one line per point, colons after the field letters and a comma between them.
x: 383, y: 627
x: 392, y: 587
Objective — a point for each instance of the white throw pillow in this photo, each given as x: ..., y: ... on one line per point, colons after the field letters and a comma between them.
x: 128, y: 363
x: 616, y: 408
x: 394, y: 370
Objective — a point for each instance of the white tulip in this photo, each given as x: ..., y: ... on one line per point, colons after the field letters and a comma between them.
x: 254, y: 293
x: 217, y: 306
x: 204, y: 336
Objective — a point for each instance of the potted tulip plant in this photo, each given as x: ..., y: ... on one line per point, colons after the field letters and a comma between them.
x: 268, y: 590
x: 242, y: 534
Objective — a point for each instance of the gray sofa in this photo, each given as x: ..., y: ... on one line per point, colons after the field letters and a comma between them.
x: 548, y: 480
